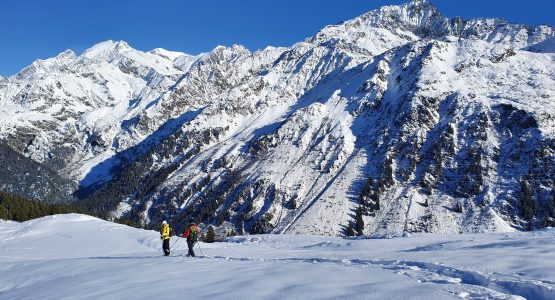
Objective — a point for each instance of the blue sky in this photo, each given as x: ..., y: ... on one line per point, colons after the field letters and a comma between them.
x: 32, y: 29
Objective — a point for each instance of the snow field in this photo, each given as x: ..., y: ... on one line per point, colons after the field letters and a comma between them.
x: 81, y: 257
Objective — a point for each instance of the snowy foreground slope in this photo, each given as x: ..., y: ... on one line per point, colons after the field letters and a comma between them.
x: 81, y: 257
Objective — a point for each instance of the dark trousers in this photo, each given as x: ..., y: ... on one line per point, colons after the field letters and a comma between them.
x: 190, y: 244
x: 166, y: 247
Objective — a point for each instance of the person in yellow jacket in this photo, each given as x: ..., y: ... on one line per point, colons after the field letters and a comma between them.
x: 165, y: 235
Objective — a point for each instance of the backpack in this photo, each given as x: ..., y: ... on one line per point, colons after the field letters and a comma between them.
x: 193, y: 234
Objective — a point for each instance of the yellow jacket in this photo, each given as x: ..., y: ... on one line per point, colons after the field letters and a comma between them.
x: 166, y: 231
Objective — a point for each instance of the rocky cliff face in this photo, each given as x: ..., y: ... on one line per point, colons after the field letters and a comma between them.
x: 398, y: 120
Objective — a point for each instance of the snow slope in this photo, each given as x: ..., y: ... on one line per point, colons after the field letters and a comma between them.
x: 77, y: 256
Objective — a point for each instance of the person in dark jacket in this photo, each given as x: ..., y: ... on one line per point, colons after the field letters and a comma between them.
x: 165, y: 235
x: 192, y: 234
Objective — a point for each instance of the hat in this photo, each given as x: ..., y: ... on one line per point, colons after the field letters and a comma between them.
x: 164, y: 222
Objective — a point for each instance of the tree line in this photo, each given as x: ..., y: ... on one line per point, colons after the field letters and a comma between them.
x: 18, y: 208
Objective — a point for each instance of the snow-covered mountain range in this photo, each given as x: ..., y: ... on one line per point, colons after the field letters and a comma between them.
x: 398, y: 120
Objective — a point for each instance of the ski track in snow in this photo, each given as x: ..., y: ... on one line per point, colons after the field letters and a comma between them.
x: 491, y: 285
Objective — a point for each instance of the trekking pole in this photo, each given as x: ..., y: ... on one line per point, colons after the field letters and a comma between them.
x: 175, y: 241
x: 198, y: 244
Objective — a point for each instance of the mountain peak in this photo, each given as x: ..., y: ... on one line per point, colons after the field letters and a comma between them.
x: 41, y: 66
x: 420, y: 2
x: 171, y: 55
x: 106, y: 49
x: 410, y: 15
x: 227, y: 53
x: 391, y: 26
x: 66, y: 54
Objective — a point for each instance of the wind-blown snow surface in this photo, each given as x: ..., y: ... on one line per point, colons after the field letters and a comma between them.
x: 81, y: 257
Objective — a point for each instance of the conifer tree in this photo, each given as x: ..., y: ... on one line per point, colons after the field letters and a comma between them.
x: 359, y: 221
x: 210, y: 235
